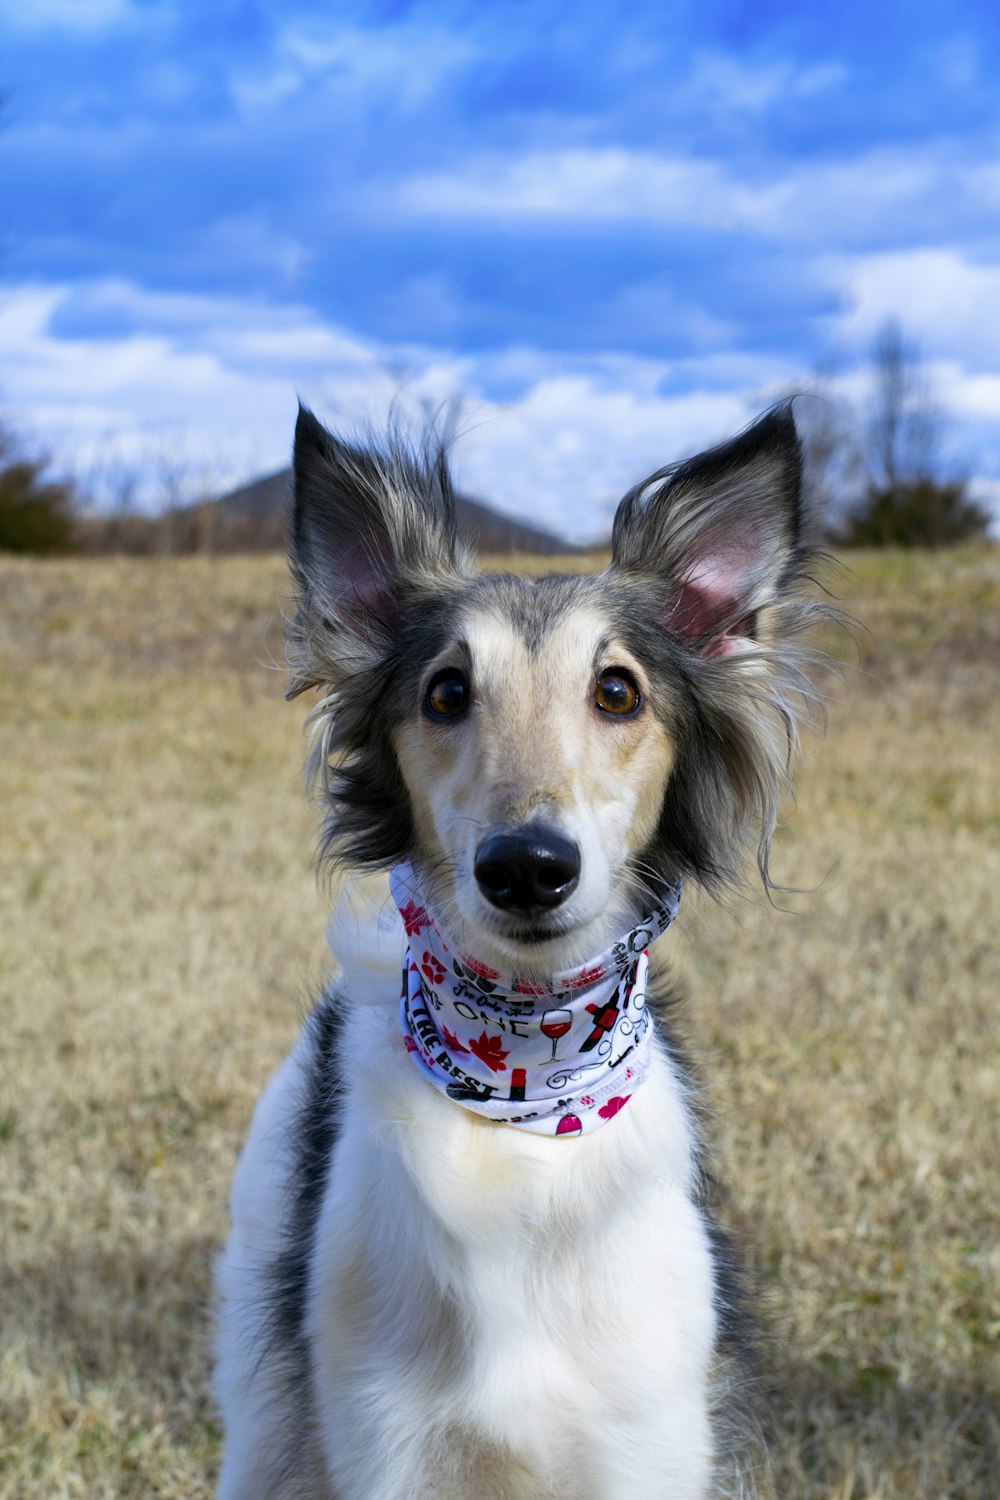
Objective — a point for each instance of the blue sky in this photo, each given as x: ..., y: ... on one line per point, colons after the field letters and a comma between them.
x: 616, y: 232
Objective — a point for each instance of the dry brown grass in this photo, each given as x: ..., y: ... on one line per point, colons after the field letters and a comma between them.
x: 162, y: 931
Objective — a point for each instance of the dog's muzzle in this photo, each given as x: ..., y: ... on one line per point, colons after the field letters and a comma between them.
x: 528, y: 870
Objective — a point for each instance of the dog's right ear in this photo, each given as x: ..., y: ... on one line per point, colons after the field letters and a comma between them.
x: 373, y: 528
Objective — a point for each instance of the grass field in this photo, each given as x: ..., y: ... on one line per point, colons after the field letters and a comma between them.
x: 162, y: 932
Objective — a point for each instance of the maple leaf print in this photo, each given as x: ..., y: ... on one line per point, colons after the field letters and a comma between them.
x: 452, y: 1040
x: 433, y: 969
x: 609, y: 1110
x: 409, y: 1044
x: 489, y: 1050
x: 414, y: 917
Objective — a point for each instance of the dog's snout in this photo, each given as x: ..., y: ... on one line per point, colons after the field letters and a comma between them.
x: 527, y: 869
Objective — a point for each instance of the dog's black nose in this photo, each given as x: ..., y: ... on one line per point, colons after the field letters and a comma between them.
x: 527, y: 869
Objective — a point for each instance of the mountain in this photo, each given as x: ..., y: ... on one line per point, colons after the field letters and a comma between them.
x: 252, y: 518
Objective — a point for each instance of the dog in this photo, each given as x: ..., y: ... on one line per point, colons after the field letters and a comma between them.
x: 472, y: 1256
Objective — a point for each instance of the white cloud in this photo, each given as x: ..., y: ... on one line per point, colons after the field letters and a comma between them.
x: 813, y: 201
x: 213, y: 382
x: 583, y: 184
x: 566, y: 451
x: 944, y: 299
x: 136, y: 393
x: 207, y: 386
x: 973, y: 395
x: 410, y: 62
x: 63, y: 15
x: 731, y: 85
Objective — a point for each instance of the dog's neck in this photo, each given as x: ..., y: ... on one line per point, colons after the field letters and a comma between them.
x: 559, y: 1056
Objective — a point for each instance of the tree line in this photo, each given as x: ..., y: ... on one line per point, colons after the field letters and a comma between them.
x: 882, y: 481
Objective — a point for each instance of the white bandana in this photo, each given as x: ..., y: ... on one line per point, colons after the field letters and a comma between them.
x: 557, y: 1057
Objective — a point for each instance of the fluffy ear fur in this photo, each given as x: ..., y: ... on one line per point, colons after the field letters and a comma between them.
x: 373, y: 528
x: 717, y: 549
x: 720, y: 535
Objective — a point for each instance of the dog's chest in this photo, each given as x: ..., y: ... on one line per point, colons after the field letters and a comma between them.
x: 551, y: 1298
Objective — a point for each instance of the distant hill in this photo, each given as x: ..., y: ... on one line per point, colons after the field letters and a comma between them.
x: 251, y: 518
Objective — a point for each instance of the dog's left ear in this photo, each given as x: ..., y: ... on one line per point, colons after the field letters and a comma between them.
x: 719, y: 536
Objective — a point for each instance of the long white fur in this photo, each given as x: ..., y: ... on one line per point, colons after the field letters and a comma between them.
x: 494, y: 1316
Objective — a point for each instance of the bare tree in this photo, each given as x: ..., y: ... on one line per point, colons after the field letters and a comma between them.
x: 908, y: 500
x: 907, y: 422
x: 148, y: 497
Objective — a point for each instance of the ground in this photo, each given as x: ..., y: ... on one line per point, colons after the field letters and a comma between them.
x: 163, y: 932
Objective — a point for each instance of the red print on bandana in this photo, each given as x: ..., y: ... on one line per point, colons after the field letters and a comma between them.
x: 609, y: 1110
x: 481, y: 970
x: 585, y: 977
x: 433, y: 968
x: 489, y: 1050
x: 414, y: 917
x: 452, y: 1040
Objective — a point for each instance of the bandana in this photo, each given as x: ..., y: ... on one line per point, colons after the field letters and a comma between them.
x: 559, y: 1056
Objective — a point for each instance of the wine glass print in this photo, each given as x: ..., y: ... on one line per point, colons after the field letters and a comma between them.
x: 556, y: 1023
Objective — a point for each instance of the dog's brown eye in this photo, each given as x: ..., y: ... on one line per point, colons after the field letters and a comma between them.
x: 617, y: 692
x: 448, y: 694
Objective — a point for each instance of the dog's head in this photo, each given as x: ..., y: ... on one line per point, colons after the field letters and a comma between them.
x: 548, y: 752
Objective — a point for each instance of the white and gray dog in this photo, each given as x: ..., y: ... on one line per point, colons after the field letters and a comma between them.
x: 471, y: 1256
